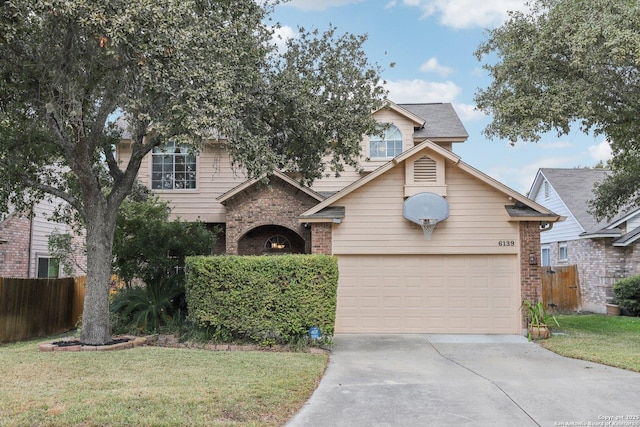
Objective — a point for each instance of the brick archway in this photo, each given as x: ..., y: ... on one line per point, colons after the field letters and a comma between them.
x: 254, y: 241
x: 277, y: 204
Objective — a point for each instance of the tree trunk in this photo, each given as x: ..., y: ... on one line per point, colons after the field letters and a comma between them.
x: 96, y: 328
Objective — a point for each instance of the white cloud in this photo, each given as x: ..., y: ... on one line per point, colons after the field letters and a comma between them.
x: 391, y: 4
x: 521, y: 178
x: 406, y: 91
x: 432, y: 65
x: 554, y: 145
x: 319, y: 4
x: 281, y: 35
x: 468, y: 13
x: 600, y: 151
x: 468, y: 112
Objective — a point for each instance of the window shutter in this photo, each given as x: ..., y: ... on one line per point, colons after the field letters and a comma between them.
x: 424, y: 170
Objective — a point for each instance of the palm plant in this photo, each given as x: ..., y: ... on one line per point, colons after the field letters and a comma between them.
x: 150, y: 306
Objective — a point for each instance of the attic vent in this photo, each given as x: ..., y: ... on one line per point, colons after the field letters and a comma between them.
x: 424, y: 170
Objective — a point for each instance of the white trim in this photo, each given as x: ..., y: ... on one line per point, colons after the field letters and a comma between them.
x: 427, y: 145
x: 535, y: 188
x: 406, y: 113
x: 625, y: 218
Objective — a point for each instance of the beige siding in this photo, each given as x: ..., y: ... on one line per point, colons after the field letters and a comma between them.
x: 374, y: 223
x: 215, y: 177
x: 41, y: 229
x: 331, y: 183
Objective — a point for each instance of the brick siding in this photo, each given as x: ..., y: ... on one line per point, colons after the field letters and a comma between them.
x: 277, y: 204
x: 530, y: 274
x: 600, y: 265
x: 14, y: 254
x: 321, y: 238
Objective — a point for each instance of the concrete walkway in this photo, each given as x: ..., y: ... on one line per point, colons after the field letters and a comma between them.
x: 465, y: 380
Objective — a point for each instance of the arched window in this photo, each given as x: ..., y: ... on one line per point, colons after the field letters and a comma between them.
x: 277, y: 244
x: 386, y: 146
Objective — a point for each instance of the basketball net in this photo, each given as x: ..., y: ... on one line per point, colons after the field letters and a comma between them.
x: 428, y: 224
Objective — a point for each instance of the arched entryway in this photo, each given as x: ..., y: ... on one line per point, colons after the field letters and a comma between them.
x: 271, y: 240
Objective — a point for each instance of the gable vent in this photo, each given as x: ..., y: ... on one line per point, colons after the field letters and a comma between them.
x: 424, y: 170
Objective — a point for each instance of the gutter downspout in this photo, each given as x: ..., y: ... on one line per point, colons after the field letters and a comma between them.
x: 30, y: 242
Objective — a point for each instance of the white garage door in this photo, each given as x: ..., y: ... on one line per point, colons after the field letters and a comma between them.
x: 428, y: 294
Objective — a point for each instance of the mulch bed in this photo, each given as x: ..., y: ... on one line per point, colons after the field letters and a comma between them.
x: 118, y: 343
x: 127, y: 341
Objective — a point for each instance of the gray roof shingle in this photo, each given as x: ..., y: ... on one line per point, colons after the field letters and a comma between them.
x: 441, y: 121
x: 575, y: 188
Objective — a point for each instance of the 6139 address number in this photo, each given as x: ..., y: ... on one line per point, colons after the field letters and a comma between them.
x: 506, y: 243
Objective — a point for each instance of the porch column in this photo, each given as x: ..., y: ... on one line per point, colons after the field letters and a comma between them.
x: 321, y: 238
x: 530, y: 270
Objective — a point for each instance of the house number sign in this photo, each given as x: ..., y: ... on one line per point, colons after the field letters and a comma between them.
x: 506, y: 243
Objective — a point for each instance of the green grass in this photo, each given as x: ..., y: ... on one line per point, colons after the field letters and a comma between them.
x: 611, y: 340
x: 153, y: 386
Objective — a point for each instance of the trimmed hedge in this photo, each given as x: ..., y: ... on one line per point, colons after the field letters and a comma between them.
x: 267, y: 299
x: 627, y: 293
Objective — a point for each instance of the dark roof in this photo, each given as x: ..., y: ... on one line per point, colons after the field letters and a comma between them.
x: 516, y: 211
x: 575, y: 188
x: 441, y: 121
x: 628, y: 238
x: 328, y: 212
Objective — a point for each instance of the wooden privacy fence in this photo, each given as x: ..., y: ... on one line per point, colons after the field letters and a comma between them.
x: 560, y: 289
x: 31, y: 308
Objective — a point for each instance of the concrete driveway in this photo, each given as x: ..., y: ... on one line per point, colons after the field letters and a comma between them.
x: 465, y: 380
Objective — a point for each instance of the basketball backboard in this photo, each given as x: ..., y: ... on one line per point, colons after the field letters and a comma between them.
x: 426, y: 209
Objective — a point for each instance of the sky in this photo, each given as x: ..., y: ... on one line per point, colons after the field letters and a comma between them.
x: 432, y: 43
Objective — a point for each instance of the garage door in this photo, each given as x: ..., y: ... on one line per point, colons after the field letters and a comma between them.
x: 428, y: 294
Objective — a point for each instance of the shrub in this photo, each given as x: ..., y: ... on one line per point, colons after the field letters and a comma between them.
x: 264, y: 299
x: 627, y: 293
x: 148, y: 246
x: 149, y: 307
x: 150, y: 249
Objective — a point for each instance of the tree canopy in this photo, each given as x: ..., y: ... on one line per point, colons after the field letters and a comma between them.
x: 564, y: 63
x: 178, y: 70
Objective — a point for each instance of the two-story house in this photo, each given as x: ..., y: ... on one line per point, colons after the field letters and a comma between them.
x: 398, y: 274
x: 603, y: 251
x: 24, y: 244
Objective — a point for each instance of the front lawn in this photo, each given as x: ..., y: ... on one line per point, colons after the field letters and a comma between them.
x: 611, y: 340
x: 153, y: 386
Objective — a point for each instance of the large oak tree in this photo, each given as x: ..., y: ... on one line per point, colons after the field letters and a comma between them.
x: 570, y: 63
x: 180, y: 70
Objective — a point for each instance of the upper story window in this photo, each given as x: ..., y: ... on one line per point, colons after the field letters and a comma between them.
x: 386, y: 146
x: 563, y: 251
x: 173, y: 167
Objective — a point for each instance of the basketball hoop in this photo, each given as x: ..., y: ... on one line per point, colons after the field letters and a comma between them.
x: 428, y: 224
x: 426, y: 209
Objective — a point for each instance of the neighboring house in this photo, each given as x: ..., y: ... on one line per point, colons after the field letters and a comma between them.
x: 470, y: 277
x: 604, y: 251
x: 24, y: 244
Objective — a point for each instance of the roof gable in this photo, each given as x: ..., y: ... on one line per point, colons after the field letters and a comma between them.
x: 417, y: 120
x: 428, y: 146
x: 433, y: 121
x: 574, y: 187
x: 251, y: 182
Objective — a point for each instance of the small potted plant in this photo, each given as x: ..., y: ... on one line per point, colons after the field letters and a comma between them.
x: 613, y: 309
x: 537, y: 313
